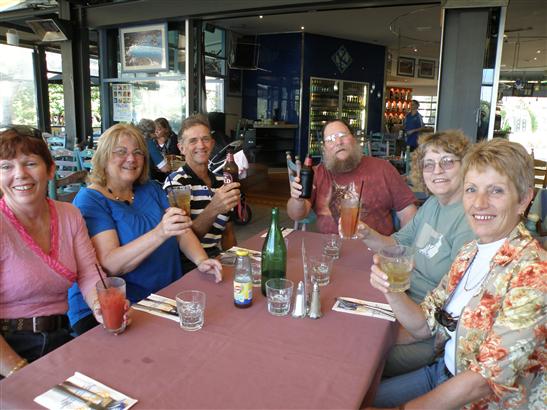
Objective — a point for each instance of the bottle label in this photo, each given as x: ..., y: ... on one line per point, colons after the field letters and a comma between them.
x: 228, y: 178
x: 243, y: 293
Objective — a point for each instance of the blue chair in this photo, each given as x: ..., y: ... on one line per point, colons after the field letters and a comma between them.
x: 66, y: 162
x: 302, y: 223
x: 65, y: 189
x: 56, y: 142
x: 84, y: 158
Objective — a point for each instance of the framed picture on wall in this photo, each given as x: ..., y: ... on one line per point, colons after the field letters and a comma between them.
x: 405, y: 66
x: 234, y: 82
x: 144, y: 48
x: 426, y: 68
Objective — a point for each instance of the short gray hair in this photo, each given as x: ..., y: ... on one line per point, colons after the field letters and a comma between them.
x: 147, y: 127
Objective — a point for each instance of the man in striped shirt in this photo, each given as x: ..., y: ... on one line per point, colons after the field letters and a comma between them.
x: 211, y: 199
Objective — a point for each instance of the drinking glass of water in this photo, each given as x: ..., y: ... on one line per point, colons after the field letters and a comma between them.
x: 279, y: 294
x: 332, y: 245
x: 191, y: 309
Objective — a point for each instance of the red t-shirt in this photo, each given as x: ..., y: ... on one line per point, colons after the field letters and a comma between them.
x: 383, y: 190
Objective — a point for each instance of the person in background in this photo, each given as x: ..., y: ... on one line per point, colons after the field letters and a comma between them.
x: 436, y: 232
x: 488, y: 312
x: 384, y: 189
x: 134, y: 231
x: 166, y: 139
x: 44, y: 248
x: 159, y: 167
x: 413, y: 124
x: 211, y: 199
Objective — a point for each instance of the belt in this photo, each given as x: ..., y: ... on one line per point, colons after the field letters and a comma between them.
x: 36, y: 324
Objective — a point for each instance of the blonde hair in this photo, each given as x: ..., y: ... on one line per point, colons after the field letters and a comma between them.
x: 107, y: 142
x: 451, y: 141
x: 508, y: 158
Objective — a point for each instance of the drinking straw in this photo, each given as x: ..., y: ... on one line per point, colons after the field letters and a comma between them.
x: 359, y: 206
x: 101, y: 276
x: 172, y: 192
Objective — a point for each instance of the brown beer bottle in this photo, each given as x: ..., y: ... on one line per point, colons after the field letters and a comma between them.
x: 231, y: 170
x: 306, y: 178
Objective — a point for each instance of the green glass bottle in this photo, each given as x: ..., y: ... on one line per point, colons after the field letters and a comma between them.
x: 274, y: 253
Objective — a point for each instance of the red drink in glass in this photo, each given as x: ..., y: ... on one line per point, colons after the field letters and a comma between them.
x: 112, y: 302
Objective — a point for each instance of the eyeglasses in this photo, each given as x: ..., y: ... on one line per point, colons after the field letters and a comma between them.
x: 24, y: 131
x: 331, y: 139
x: 122, y: 153
x: 446, y: 319
x: 445, y: 163
x: 206, y: 139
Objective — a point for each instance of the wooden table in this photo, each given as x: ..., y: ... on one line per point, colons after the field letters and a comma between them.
x: 241, y: 358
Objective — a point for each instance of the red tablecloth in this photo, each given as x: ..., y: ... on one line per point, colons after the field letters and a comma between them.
x: 242, y: 358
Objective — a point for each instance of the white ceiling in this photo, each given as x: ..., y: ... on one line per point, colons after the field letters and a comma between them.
x: 412, y: 30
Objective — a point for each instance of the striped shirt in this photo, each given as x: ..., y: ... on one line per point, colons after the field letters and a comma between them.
x: 200, y: 197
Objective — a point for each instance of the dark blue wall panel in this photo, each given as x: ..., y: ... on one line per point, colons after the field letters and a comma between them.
x: 276, y: 85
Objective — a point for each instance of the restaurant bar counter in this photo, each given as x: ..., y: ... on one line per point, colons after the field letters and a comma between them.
x: 241, y: 358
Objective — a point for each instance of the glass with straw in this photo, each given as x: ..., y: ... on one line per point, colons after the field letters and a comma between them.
x: 111, y: 295
x: 350, y: 210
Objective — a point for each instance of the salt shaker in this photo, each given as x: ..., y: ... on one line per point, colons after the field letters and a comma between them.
x: 315, y: 305
x: 299, y: 309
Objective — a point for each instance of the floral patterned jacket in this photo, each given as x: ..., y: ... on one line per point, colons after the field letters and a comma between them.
x: 501, y: 332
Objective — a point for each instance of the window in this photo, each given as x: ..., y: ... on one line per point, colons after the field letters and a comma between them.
x: 215, y: 66
x: 17, y: 87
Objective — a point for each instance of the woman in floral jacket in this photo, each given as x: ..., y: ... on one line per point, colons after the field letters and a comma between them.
x: 488, y: 313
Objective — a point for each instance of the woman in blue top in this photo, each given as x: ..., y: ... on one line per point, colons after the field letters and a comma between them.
x: 413, y: 125
x: 134, y: 231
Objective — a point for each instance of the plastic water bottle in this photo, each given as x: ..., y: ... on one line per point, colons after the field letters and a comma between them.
x: 243, y: 281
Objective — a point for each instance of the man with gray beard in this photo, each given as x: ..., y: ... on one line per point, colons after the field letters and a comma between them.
x: 384, y: 189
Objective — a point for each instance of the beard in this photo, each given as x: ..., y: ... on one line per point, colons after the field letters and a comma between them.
x: 338, y: 166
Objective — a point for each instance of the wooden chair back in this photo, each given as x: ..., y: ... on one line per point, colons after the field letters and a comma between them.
x: 65, y: 188
x: 84, y: 158
x: 66, y: 162
x: 175, y: 161
x: 540, y: 174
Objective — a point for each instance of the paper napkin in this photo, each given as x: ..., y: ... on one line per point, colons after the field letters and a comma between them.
x: 157, y: 305
x: 365, y: 308
x: 54, y: 399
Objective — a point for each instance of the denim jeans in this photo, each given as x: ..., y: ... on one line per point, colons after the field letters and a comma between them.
x: 401, y: 389
x: 32, y: 346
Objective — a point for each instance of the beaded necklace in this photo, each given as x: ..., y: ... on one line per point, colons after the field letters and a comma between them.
x: 117, y: 198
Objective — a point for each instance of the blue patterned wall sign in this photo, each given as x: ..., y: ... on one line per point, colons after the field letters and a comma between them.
x: 341, y: 59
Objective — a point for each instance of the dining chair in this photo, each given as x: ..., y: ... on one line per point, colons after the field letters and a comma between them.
x: 175, y: 161
x: 55, y: 142
x: 66, y: 162
x: 65, y: 188
x: 540, y: 174
x: 84, y: 158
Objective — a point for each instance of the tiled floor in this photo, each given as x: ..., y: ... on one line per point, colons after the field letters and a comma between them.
x: 261, y: 221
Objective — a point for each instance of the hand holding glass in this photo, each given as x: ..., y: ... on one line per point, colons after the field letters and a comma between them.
x: 179, y: 197
x: 396, y: 261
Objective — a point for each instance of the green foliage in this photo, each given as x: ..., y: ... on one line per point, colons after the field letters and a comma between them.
x: 57, y: 104
x: 23, y: 105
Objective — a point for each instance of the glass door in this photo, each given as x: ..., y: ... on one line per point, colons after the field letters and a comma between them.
x: 324, y: 106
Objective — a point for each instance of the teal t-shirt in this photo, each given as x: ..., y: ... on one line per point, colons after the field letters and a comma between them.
x: 437, y: 232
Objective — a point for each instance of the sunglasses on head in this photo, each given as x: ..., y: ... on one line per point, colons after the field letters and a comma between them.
x: 23, y: 130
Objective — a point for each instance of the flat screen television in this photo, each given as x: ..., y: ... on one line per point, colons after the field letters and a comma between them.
x: 244, y: 54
